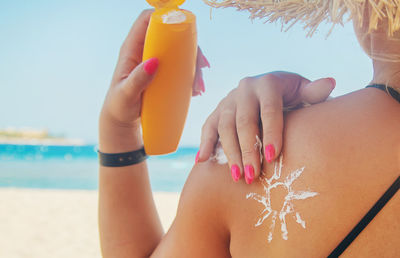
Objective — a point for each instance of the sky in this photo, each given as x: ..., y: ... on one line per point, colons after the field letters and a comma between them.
x: 57, y: 59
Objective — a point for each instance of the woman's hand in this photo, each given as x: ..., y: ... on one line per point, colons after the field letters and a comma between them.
x: 119, y: 118
x: 257, y: 103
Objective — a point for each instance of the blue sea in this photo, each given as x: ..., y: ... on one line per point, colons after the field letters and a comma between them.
x: 76, y: 167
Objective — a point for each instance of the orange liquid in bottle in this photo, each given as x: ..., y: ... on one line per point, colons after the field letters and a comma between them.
x: 166, y: 100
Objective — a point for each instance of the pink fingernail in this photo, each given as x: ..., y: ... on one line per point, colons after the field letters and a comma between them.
x: 249, y: 174
x: 269, y: 153
x: 206, y: 62
x: 201, y: 82
x: 235, y: 172
x: 150, y: 66
x: 196, y: 160
x: 333, y: 81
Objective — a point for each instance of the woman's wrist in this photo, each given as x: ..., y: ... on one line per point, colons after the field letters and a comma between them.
x: 117, y: 138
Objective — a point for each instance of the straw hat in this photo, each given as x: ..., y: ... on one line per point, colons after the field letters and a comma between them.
x: 312, y: 12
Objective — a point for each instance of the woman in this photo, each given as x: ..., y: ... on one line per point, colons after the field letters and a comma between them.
x: 339, y: 157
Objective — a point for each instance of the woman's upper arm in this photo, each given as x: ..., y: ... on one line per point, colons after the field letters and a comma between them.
x: 200, y: 227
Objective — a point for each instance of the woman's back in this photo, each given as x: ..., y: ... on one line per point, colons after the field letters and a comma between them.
x: 339, y: 157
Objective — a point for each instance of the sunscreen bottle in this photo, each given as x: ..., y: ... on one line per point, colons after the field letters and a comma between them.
x: 171, y: 37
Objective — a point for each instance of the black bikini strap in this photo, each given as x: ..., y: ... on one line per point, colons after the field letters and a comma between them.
x: 395, y: 94
x: 366, y: 219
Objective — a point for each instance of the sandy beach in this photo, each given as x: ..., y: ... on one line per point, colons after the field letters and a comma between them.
x: 58, y: 223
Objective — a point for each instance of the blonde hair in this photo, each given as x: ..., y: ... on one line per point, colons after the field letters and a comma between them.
x: 313, y: 12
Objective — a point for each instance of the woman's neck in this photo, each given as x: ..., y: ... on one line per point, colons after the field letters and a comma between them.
x: 387, y: 73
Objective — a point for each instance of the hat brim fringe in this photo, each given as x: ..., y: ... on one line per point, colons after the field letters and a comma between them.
x: 313, y: 12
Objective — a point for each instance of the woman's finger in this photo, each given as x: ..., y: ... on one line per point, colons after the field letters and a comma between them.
x: 247, y: 124
x: 317, y: 91
x: 132, y: 49
x: 209, y: 137
x: 271, y: 114
x: 229, y: 140
x: 139, y: 78
x: 201, y: 59
x: 198, y: 83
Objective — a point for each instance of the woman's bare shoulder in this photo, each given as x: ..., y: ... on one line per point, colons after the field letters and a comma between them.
x: 338, y: 158
x: 348, y: 150
x: 356, y: 134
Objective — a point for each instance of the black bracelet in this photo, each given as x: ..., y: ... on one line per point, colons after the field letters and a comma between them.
x: 122, y: 159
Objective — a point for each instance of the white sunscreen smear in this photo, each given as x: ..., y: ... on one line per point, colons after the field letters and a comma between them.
x: 220, y: 157
x: 219, y: 154
x: 174, y: 17
x: 288, y: 207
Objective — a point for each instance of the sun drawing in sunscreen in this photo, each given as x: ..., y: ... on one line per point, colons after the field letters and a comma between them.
x: 288, y: 207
